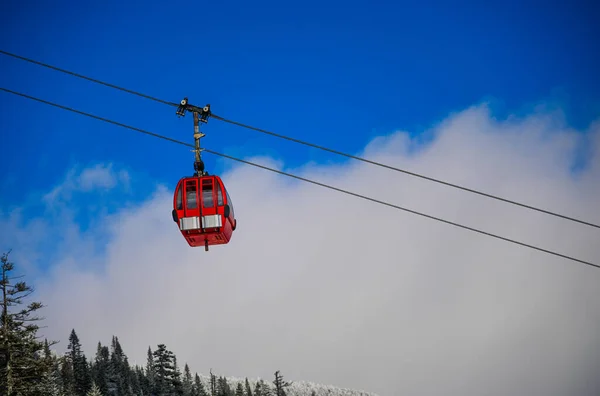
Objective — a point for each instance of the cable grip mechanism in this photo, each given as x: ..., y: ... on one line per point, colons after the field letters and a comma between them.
x: 184, y: 106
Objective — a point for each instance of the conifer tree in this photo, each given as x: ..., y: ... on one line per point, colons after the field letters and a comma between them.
x: 81, y: 372
x: 51, y: 380
x: 199, y: 389
x: 134, y: 381
x: 257, y: 388
x: 24, y: 366
x: 280, y: 384
x: 66, y: 375
x: 94, y: 390
x: 248, y: 388
x: 187, y: 381
x: 116, y: 358
x: 223, y: 388
x: 101, y: 368
x: 149, y: 371
x: 239, y: 390
x: 164, y: 370
x: 213, y: 384
x: 120, y: 377
x: 176, y: 381
x: 145, y: 384
x: 126, y: 374
x: 261, y: 388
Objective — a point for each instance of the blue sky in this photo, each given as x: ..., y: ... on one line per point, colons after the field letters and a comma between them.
x: 337, y: 74
x: 334, y: 73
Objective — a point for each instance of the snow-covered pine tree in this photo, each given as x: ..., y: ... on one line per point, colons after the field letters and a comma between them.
x: 187, y: 381
x: 198, y: 389
x: 94, y: 390
x: 258, y: 388
x: 149, y: 372
x: 142, y: 380
x: 51, y: 383
x: 213, y: 384
x: 223, y: 388
x: 280, y: 384
x: 127, y: 375
x: 134, y: 380
x: 119, y: 369
x: 101, y: 368
x: 24, y: 368
x: 248, y: 388
x: 176, y: 381
x: 239, y: 390
x: 164, y: 370
x: 81, y: 372
x: 262, y: 388
x: 66, y: 375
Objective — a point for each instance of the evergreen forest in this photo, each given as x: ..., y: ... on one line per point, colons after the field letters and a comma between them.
x: 29, y: 366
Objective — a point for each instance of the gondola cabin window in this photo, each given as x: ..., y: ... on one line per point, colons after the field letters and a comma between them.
x: 220, y: 197
x: 230, y: 204
x: 191, y: 201
x: 207, y: 193
x: 179, y: 204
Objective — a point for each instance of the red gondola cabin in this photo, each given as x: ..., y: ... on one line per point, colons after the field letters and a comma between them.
x: 203, y: 211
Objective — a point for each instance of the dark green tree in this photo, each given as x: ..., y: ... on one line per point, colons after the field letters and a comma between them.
x: 187, y: 381
x: 213, y: 384
x: 198, y: 389
x: 81, y: 371
x: 127, y: 375
x: 262, y: 388
x: 66, y: 375
x: 164, y: 370
x: 258, y: 388
x: 248, y: 388
x: 149, y: 372
x: 266, y: 389
x: 100, y: 368
x: 94, y: 390
x: 51, y: 379
x: 120, y: 372
x: 24, y: 370
x: 176, y: 380
x: 223, y: 388
x: 280, y: 384
x: 134, y: 380
x: 144, y: 384
x: 239, y: 390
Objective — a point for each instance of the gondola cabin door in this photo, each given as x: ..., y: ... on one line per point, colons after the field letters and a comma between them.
x: 202, y: 212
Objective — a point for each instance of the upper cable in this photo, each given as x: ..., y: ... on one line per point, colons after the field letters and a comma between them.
x: 304, y: 179
x: 487, y: 195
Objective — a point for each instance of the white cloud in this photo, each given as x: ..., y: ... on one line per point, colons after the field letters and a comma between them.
x: 100, y: 177
x: 333, y: 289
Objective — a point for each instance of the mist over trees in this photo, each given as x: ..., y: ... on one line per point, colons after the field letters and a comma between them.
x: 29, y: 367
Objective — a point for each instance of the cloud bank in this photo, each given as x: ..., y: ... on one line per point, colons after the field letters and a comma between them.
x: 333, y: 289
